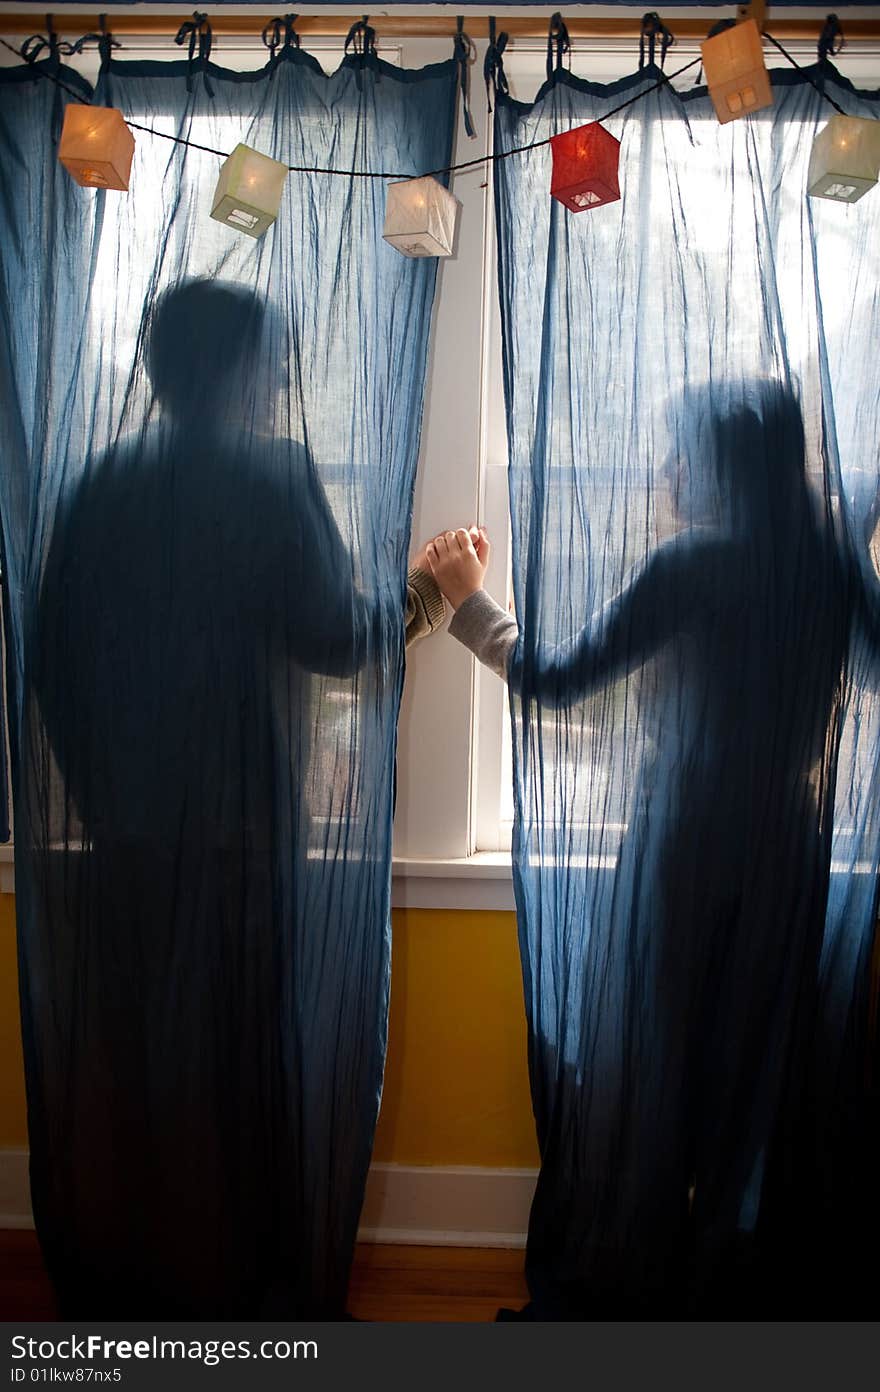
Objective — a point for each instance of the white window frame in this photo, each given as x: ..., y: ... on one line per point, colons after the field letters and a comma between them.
x: 451, y: 841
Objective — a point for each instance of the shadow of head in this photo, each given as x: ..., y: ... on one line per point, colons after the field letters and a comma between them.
x: 210, y: 352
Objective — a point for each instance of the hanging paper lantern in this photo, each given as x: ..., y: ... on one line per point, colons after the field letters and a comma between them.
x: 96, y: 147
x: 248, y: 193
x: 420, y: 217
x: 736, y: 74
x: 585, y: 164
x: 845, y: 159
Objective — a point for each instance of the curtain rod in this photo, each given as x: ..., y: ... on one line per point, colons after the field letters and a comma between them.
x: 390, y: 26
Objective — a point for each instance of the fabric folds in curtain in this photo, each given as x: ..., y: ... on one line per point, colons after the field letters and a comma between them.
x: 693, y: 414
x: 209, y: 446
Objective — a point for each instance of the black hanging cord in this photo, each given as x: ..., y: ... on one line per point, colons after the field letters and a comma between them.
x: 663, y: 81
x: 41, y: 72
x: 720, y: 27
x: 493, y: 66
x: 558, y: 44
x: 369, y: 173
x: 815, y: 85
x: 464, y: 51
x: 197, y: 28
x: 653, y: 29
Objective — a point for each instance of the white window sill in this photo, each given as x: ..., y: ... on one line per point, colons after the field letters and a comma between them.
x: 481, y: 881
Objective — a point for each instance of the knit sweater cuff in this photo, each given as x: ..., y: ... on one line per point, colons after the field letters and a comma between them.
x: 429, y: 597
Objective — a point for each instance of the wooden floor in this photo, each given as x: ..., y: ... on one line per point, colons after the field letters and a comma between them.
x: 452, y: 1284
x: 388, y: 1284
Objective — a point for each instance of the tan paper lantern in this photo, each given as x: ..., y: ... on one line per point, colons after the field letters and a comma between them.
x: 420, y: 217
x: 736, y: 75
x: 248, y: 193
x: 96, y: 147
x: 845, y: 159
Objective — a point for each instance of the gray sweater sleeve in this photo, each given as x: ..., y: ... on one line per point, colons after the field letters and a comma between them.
x: 487, y: 629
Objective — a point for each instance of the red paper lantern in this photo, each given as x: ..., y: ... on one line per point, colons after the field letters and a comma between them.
x: 585, y: 164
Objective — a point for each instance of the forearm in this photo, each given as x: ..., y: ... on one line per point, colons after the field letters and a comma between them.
x: 425, y: 609
x: 487, y: 630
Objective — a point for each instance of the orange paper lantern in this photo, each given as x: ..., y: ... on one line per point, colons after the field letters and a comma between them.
x: 585, y: 162
x: 96, y: 147
x: 736, y: 74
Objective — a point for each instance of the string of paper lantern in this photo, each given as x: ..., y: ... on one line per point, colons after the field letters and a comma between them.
x: 421, y: 213
x: 97, y: 146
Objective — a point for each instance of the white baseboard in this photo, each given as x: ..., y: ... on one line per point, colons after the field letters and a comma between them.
x: 15, y: 1190
x: 434, y: 1206
x: 447, y: 1206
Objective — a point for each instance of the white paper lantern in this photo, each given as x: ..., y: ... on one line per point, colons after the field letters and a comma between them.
x: 420, y: 217
x: 96, y: 147
x: 845, y: 159
x: 736, y: 74
x: 249, y: 189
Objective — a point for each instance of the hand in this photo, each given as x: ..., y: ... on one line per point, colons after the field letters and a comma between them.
x: 457, y: 564
x: 420, y: 560
x: 480, y: 537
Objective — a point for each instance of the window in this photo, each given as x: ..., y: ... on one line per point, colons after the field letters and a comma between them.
x: 454, y: 766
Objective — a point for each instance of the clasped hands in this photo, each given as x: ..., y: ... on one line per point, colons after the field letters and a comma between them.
x: 457, y: 560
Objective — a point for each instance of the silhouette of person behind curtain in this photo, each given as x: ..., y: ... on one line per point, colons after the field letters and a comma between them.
x: 659, y: 1108
x: 195, y: 583
x: 715, y: 936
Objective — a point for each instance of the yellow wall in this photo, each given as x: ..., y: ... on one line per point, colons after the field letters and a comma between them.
x: 456, y: 1083
x: 456, y: 1086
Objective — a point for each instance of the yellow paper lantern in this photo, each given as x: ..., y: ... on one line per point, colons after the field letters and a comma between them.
x: 420, y: 217
x: 96, y: 147
x: 248, y: 193
x: 845, y: 159
x: 736, y: 74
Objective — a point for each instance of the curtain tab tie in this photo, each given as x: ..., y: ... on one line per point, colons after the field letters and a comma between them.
x: 464, y: 51
x: 279, y: 33
x: 199, y: 27
x: 361, y: 38
x: 55, y: 47
x: 493, y: 66
x: 105, y: 41
x: 653, y: 29
x: 361, y: 42
x: 558, y: 44
x: 831, y: 40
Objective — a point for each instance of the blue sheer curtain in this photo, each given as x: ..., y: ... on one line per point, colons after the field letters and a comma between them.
x: 209, y: 447
x: 693, y: 409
